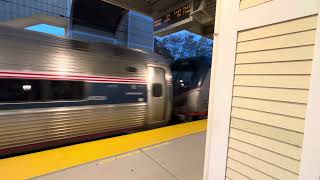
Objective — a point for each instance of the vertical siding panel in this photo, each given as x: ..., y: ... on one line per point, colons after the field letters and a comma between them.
x: 275, y: 120
x: 247, y: 171
x: 277, y: 55
x: 284, y: 41
x: 283, y: 81
x: 271, y: 87
x: 275, y: 133
x: 262, y: 166
x: 277, y: 107
x: 275, y: 94
x: 268, y: 156
x: 298, y: 25
x: 244, y: 4
x: 267, y: 143
x: 235, y: 175
x: 299, y: 67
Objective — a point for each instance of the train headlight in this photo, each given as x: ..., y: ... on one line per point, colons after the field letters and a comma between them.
x: 26, y: 87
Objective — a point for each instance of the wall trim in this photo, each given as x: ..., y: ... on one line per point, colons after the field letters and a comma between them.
x: 262, y: 15
x: 309, y: 166
x: 221, y: 90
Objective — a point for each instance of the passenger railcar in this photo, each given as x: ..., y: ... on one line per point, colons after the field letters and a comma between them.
x: 191, y: 83
x: 56, y: 91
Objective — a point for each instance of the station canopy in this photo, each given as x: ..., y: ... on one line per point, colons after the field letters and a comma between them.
x: 174, y: 15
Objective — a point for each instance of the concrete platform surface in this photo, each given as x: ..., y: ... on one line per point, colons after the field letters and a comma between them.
x: 179, y: 159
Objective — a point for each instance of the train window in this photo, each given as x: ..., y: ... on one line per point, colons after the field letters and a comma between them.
x: 186, y: 78
x: 157, y: 90
x: 17, y: 90
x: 132, y: 69
x: 66, y: 90
x: 25, y: 90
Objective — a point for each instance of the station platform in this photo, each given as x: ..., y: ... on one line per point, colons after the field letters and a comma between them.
x: 169, y: 153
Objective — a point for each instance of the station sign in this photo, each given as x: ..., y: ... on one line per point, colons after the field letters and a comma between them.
x: 173, y: 17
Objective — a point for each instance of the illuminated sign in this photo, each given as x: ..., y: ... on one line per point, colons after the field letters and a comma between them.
x: 173, y: 17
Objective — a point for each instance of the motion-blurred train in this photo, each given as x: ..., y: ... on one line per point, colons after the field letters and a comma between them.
x: 55, y: 91
x: 191, y: 83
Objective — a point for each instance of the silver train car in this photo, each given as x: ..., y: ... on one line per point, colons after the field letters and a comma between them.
x: 191, y: 83
x: 55, y: 91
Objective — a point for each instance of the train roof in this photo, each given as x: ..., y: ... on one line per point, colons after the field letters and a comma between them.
x: 14, y: 34
x: 198, y: 61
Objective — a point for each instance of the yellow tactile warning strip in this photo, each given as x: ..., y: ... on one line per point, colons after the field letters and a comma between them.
x: 31, y: 165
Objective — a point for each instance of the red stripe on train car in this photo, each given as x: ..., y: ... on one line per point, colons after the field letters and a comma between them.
x: 72, y: 77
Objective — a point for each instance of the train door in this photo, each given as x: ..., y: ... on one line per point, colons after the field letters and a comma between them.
x: 157, y: 95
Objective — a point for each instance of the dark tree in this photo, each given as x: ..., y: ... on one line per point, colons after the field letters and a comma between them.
x: 183, y: 45
x: 161, y: 49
